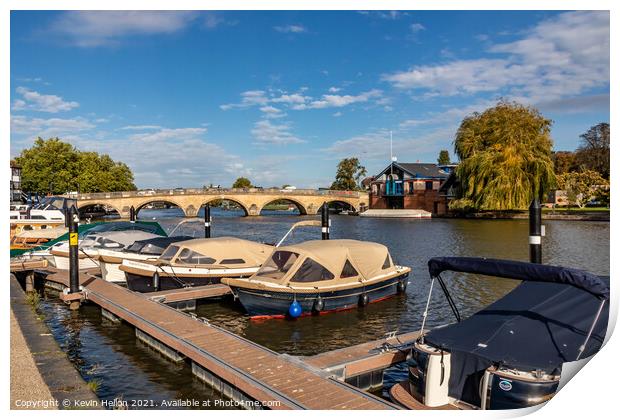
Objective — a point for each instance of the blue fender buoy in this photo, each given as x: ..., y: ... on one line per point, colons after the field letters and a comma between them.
x: 295, y: 309
x: 363, y: 300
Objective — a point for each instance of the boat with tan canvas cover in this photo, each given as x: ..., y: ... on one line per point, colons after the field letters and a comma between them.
x: 196, y: 262
x: 320, y: 276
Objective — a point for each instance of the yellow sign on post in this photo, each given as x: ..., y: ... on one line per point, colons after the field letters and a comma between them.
x: 73, y: 239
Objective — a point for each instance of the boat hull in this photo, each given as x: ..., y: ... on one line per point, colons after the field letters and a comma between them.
x: 144, y: 284
x: 265, y: 303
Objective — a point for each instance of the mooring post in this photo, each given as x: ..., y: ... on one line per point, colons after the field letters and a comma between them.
x: 325, y: 222
x: 535, y: 232
x: 132, y: 214
x: 207, y: 221
x: 74, y: 265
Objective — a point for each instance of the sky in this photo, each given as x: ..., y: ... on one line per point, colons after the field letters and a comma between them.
x: 193, y: 98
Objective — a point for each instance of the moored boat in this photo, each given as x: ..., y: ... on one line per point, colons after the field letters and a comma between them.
x: 142, y: 250
x: 320, y: 276
x: 196, y: 262
x: 90, y: 245
x: 512, y: 353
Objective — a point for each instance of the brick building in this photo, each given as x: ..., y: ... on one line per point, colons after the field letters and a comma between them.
x: 412, y: 186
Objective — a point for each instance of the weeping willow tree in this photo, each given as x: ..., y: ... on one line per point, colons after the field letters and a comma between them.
x: 505, y: 157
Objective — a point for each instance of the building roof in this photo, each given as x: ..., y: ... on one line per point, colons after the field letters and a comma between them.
x: 419, y: 170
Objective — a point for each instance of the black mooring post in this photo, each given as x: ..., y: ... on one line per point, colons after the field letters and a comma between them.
x: 132, y: 214
x: 74, y: 283
x: 207, y: 221
x: 535, y: 232
x: 325, y: 222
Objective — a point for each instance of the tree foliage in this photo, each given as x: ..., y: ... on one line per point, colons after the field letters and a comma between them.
x: 564, y: 162
x: 505, y: 155
x: 57, y: 167
x: 348, y: 175
x: 242, y: 182
x: 582, y: 187
x: 593, y: 152
x: 443, y: 158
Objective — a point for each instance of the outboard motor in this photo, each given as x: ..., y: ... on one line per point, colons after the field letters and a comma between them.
x: 429, y: 375
x: 503, y: 389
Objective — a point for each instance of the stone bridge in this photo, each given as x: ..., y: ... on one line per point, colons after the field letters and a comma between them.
x: 251, y: 200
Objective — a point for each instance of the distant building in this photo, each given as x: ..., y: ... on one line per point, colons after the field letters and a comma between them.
x: 16, y: 182
x: 423, y: 186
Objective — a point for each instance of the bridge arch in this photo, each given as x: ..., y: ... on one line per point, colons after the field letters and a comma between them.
x: 300, y: 206
x: 247, y: 210
x: 343, y: 203
x: 142, y: 203
x: 81, y: 207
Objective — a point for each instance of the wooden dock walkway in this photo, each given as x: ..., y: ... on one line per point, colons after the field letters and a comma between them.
x: 366, y: 357
x: 190, y: 293
x: 238, y: 367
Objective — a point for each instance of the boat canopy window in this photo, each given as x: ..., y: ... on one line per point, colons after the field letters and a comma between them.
x: 135, y: 247
x: 151, y: 249
x: 233, y: 261
x: 348, y: 270
x: 388, y: 263
x: 169, y: 253
x: 187, y: 256
x: 107, y: 243
x: 278, y: 265
x: 311, y: 271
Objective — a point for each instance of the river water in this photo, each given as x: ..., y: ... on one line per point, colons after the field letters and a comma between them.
x: 111, y: 356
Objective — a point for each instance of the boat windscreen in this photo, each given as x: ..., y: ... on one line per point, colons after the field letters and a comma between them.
x: 277, y: 265
x: 169, y: 253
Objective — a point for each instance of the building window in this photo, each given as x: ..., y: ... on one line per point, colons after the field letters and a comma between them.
x: 429, y: 185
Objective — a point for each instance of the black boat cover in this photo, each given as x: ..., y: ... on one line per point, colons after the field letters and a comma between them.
x: 521, y: 271
x: 538, y: 325
x: 159, y: 242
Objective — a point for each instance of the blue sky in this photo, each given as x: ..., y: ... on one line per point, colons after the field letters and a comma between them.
x: 192, y: 98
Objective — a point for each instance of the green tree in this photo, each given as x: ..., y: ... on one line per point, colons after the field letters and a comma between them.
x: 593, y: 152
x: 444, y: 158
x: 348, y: 174
x: 505, y: 155
x: 564, y: 162
x: 583, y: 186
x: 56, y: 164
x: 242, y: 182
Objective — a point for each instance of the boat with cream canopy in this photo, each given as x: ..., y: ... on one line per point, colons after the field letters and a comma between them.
x: 320, y: 276
x: 196, y: 262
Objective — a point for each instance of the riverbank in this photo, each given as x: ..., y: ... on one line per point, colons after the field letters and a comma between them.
x: 547, y: 214
x: 42, y: 378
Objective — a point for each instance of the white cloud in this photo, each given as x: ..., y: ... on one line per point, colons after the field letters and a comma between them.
x: 50, y: 127
x: 265, y: 132
x: 141, y: 127
x: 214, y: 20
x: 389, y: 15
x: 36, y: 101
x: 339, y: 101
x: 248, y: 98
x: 416, y: 27
x: 334, y: 89
x: 272, y: 112
x: 294, y: 29
x: 563, y: 56
x: 294, y: 98
x: 102, y: 28
x: 165, y: 134
x: 375, y: 146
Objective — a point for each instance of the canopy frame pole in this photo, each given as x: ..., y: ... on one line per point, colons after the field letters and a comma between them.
x: 598, y: 314
x: 428, y: 302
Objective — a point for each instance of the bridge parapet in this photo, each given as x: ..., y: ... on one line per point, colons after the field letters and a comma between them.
x: 218, y: 191
x: 252, y: 200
